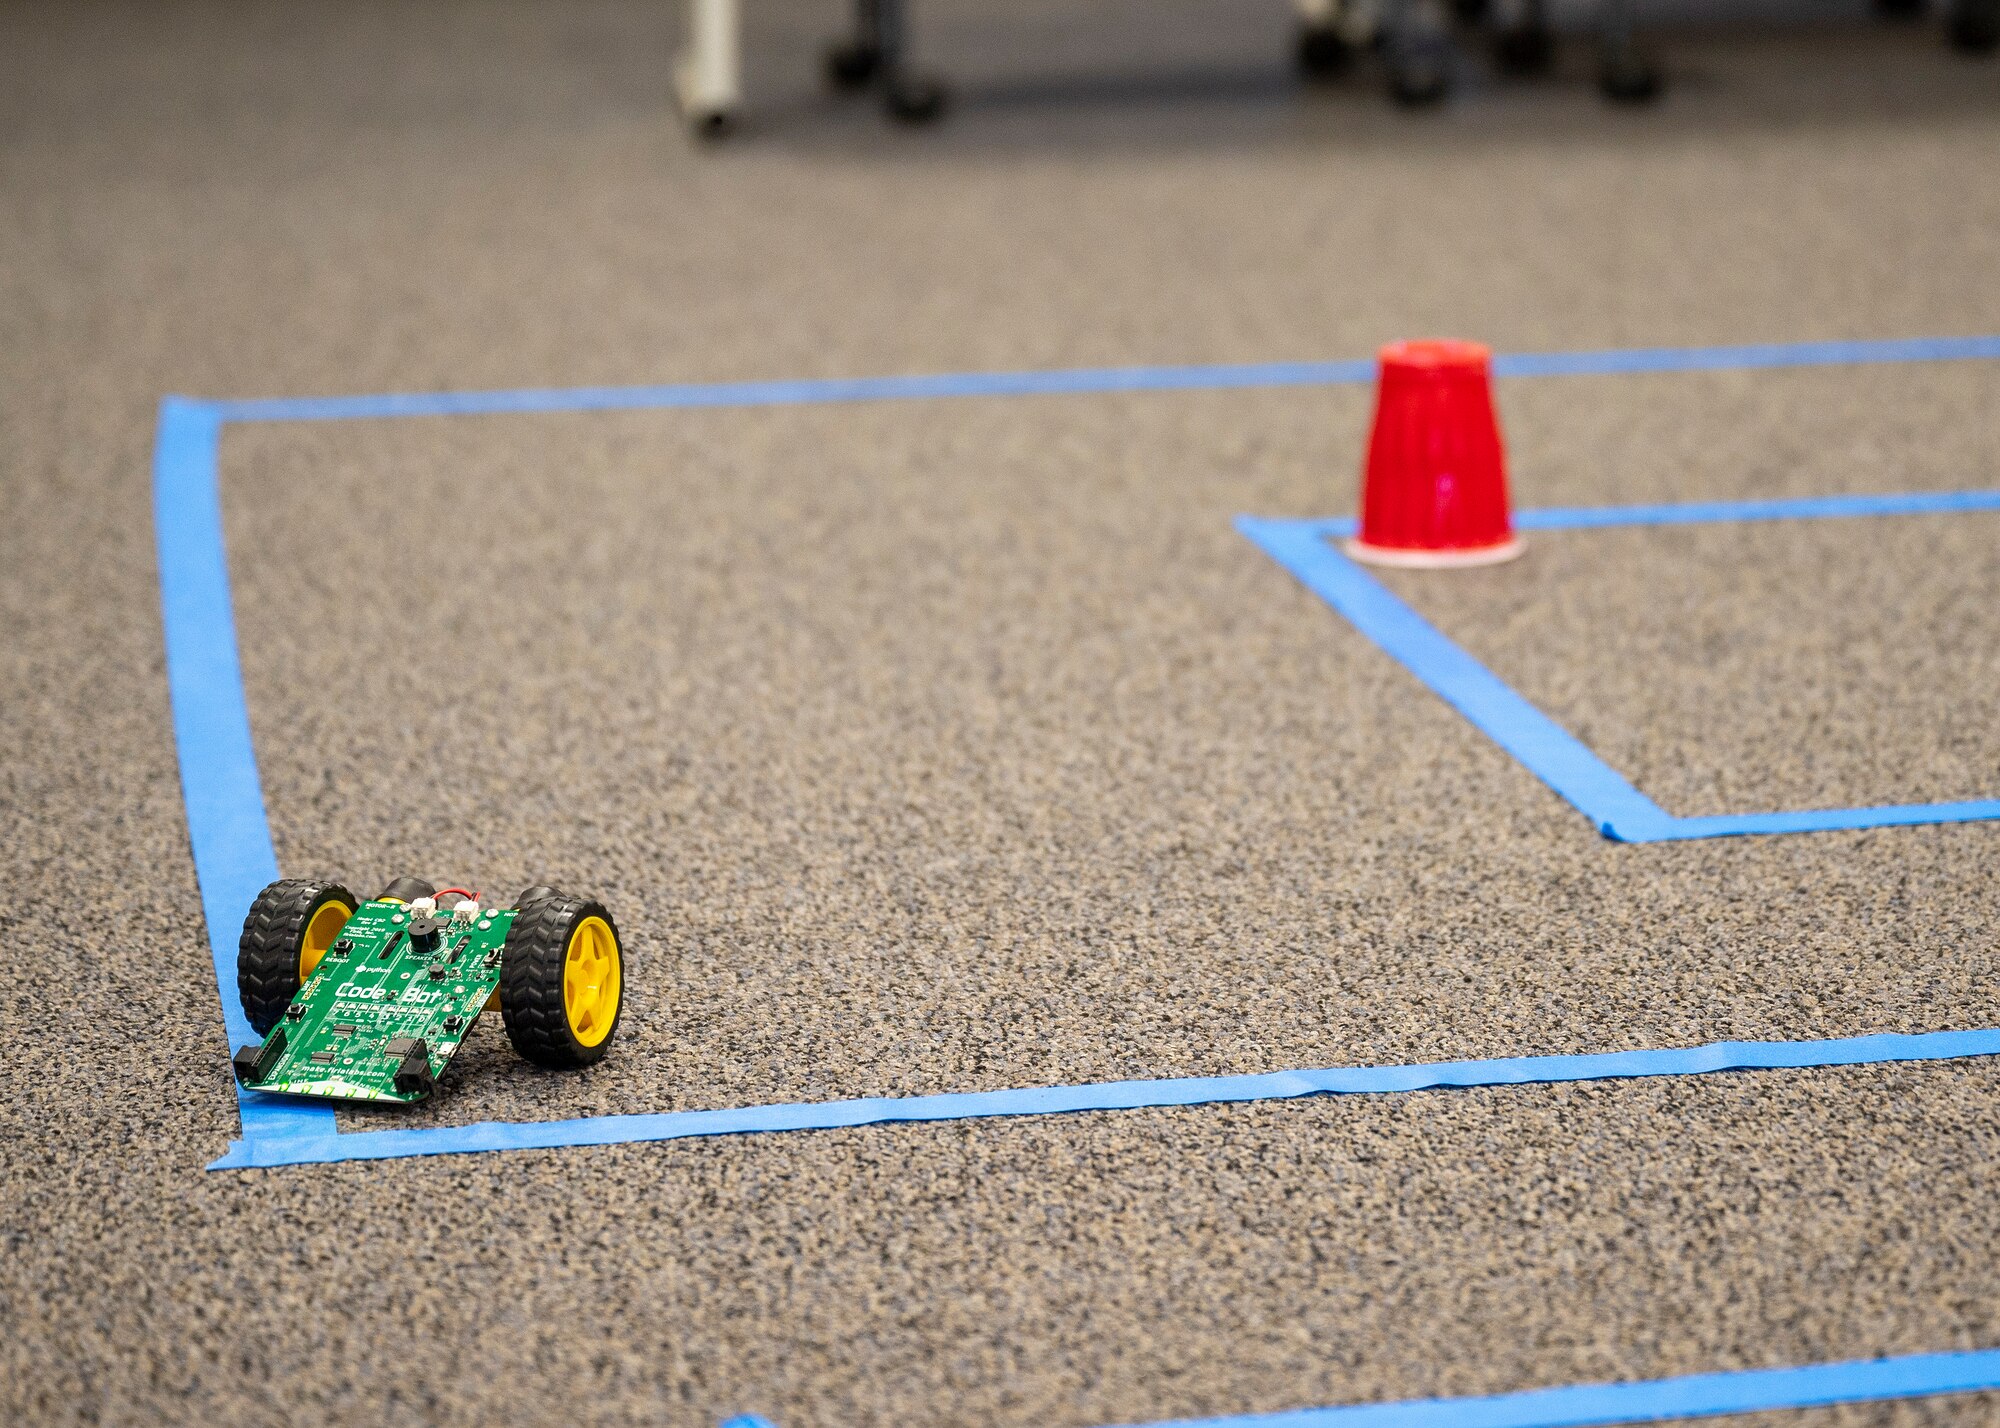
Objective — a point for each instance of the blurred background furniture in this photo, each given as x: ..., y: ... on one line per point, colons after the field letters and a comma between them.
x: 1415, y: 39
x: 1417, y: 42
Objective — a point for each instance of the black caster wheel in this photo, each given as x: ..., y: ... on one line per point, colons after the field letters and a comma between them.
x: 713, y: 126
x: 852, y: 65
x: 1629, y: 77
x: 1899, y: 10
x: 1420, y: 73
x: 1322, y: 53
x: 1525, y: 49
x: 1973, y: 27
x: 915, y: 101
x: 406, y: 890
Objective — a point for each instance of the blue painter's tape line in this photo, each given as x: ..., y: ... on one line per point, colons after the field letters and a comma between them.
x: 1079, y: 381
x: 1545, y: 748
x: 1704, y: 1395
x: 1829, y: 820
x: 1659, y: 1400
x: 1633, y: 360
x: 1116, y: 1096
x: 230, y: 837
x: 1073, y: 382
x: 1910, y: 503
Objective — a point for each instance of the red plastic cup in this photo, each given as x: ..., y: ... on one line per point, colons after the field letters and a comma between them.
x: 1435, y: 489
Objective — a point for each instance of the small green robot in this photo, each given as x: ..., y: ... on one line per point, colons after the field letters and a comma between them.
x: 367, y: 1001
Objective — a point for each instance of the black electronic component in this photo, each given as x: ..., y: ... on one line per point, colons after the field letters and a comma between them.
x: 343, y: 1028
x: 294, y: 1012
x: 413, y: 1076
x: 321, y: 1058
x: 424, y: 932
x: 342, y: 947
x: 252, y: 1062
x: 440, y: 972
x: 453, y: 1023
x: 244, y: 1062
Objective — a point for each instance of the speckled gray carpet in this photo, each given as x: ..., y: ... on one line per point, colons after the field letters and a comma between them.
x: 964, y: 745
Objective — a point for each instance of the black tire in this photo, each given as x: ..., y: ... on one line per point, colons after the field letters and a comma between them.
x: 1322, y: 53
x: 533, y: 1000
x: 1525, y: 49
x: 534, y: 894
x: 852, y: 65
x: 1973, y: 26
x: 406, y: 890
x: 271, y: 953
x: 912, y: 100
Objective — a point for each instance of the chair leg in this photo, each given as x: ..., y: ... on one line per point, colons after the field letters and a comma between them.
x: 876, y: 55
x: 1524, y: 43
x: 708, y: 78
x: 1627, y: 73
x: 1973, y: 26
x: 909, y: 96
x: 853, y: 63
x: 1331, y: 33
x: 1416, y: 44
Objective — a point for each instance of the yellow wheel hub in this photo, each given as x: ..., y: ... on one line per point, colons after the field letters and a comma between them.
x: 591, y: 981
x: 320, y: 934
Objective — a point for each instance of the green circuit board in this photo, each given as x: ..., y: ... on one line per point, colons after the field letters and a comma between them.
x: 396, y: 991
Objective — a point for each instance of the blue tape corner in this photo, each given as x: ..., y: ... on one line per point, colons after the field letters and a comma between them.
x: 228, y: 833
x: 1558, y: 758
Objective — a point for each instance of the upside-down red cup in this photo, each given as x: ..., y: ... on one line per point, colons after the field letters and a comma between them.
x: 1434, y: 492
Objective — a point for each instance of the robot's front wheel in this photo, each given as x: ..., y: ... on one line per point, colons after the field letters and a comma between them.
x: 562, y: 980
x: 287, y: 930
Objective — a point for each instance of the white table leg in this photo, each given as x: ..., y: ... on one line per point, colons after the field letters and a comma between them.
x: 709, y: 75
